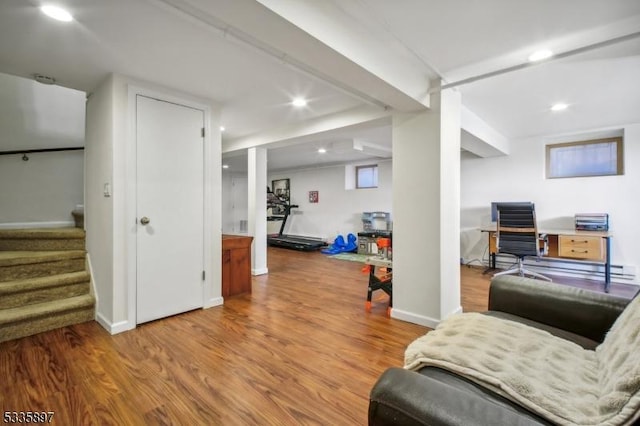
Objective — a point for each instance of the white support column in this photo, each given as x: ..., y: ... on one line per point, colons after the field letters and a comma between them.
x: 257, y: 208
x: 450, y: 124
x: 426, y: 210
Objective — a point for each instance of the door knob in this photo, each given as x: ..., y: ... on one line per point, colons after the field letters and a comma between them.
x: 145, y: 220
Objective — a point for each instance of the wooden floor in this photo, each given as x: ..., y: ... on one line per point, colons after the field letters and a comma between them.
x: 474, y: 287
x: 299, y: 350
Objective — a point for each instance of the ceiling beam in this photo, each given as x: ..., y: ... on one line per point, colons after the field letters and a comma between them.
x: 524, y: 65
x: 372, y: 149
x: 480, y: 138
x: 351, y: 30
x: 326, y: 126
x: 255, y: 25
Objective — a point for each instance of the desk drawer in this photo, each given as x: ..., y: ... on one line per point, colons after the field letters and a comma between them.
x: 581, y: 247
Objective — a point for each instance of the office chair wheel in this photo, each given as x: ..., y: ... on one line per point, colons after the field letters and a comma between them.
x: 367, y: 306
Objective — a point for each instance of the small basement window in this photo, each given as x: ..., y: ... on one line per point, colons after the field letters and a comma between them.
x: 367, y: 176
x: 600, y: 157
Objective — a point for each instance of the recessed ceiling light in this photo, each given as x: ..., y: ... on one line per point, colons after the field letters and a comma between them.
x: 57, y: 13
x: 322, y: 150
x: 222, y: 129
x: 225, y: 166
x: 299, y: 102
x: 540, y: 55
x: 559, y: 107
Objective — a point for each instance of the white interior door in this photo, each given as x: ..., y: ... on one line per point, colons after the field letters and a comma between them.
x: 170, y: 208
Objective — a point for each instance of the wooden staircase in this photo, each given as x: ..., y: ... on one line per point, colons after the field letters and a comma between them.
x: 44, y: 283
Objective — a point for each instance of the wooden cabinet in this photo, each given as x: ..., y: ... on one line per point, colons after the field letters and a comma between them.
x: 236, y: 264
x: 581, y: 247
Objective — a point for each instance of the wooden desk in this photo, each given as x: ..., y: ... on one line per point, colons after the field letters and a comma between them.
x: 589, y: 246
x: 236, y: 264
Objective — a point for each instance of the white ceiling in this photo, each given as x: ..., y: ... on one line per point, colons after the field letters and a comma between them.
x: 151, y: 41
x: 341, y: 147
x: 459, y: 37
x: 243, y: 54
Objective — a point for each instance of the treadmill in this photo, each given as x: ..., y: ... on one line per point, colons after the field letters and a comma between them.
x: 294, y: 242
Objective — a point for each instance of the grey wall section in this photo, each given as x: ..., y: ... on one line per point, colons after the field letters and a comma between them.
x: 45, y: 189
x: 41, y: 191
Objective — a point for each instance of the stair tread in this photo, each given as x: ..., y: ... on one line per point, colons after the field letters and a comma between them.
x: 40, y: 233
x: 9, y: 258
x: 28, y: 284
x: 27, y: 312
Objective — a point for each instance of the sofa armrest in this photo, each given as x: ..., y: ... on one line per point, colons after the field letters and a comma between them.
x: 407, y: 398
x: 579, y: 311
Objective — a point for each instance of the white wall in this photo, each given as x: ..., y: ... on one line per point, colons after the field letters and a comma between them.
x: 112, y: 221
x: 426, y: 152
x: 34, y: 115
x: 44, y: 190
x: 338, y: 211
x: 521, y: 177
x: 234, y: 201
x: 99, y: 209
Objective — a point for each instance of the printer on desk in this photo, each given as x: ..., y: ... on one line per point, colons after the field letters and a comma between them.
x: 375, y: 225
x: 592, y: 221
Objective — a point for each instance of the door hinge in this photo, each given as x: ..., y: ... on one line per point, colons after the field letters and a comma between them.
x: 202, y: 132
x: 203, y: 275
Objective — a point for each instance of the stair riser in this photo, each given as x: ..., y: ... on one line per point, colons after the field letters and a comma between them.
x: 25, y: 328
x: 43, y: 269
x: 43, y: 281
x: 41, y: 244
x: 43, y: 295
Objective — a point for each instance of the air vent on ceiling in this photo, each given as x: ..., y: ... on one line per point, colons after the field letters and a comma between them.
x: 44, y: 79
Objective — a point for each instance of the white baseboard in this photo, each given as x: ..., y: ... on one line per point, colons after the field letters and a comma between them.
x: 18, y: 225
x: 214, y: 301
x: 414, y: 318
x: 115, y: 328
x: 260, y: 271
x: 573, y: 268
x: 458, y: 310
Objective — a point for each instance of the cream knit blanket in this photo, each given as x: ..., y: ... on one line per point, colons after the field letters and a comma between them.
x: 552, y: 377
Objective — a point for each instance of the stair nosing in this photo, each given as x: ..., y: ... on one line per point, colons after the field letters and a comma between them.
x: 42, y: 256
x: 25, y: 285
x: 70, y: 233
x: 36, y: 310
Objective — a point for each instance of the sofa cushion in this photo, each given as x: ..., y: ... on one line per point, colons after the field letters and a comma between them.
x: 550, y: 376
x: 585, y: 342
x: 619, y: 365
x: 587, y: 313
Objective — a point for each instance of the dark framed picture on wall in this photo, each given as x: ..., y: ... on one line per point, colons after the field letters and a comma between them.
x: 280, y: 188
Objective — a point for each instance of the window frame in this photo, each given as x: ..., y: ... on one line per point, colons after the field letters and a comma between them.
x: 367, y: 166
x: 618, y: 140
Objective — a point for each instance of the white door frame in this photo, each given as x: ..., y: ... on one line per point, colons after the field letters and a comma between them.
x: 209, y: 299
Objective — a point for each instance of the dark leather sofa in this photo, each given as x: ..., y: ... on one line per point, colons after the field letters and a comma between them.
x: 432, y: 396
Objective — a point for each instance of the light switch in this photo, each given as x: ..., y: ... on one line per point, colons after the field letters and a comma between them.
x: 107, y: 189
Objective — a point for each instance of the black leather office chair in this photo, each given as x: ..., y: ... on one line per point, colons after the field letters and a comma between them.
x: 517, y: 234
